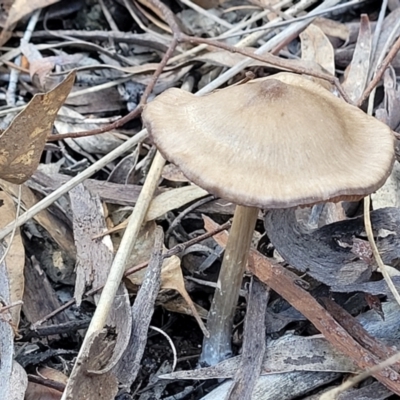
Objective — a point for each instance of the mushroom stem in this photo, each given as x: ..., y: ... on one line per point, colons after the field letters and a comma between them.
x: 217, y: 346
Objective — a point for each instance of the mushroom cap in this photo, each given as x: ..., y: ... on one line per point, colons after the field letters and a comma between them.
x: 275, y: 142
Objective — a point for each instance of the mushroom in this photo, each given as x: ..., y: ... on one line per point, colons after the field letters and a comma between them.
x: 272, y: 143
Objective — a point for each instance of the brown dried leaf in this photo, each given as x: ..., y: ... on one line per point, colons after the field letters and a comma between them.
x: 15, y: 259
x: 171, y: 273
x: 94, y: 257
x: 83, y: 383
x: 22, y: 143
x: 358, y: 70
x: 60, y: 232
x: 41, y: 392
x: 172, y: 173
x: 173, y: 199
x: 333, y: 28
x: 315, y: 46
x: 53, y: 374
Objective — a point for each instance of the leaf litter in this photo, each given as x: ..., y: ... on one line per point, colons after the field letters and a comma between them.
x: 78, y: 77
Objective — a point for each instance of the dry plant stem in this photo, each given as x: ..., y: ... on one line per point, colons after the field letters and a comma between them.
x: 118, y: 267
x: 169, y: 253
x: 375, y: 251
x: 220, y: 317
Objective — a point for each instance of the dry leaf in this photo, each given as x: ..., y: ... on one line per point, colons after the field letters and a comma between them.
x: 171, y: 273
x: 83, y: 383
x: 15, y: 260
x: 36, y: 391
x: 315, y: 46
x: 41, y: 392
x: 172, y: 173
x: 60, y: 232
x: 358, y: 70
x: 97, y: 144
x: 22, y: 143
x: 94, y: 257
x: 333, y: 28
x: 172, y: 199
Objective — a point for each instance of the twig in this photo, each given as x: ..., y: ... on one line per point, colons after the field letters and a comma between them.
x: 280, y: 24
x: 14, y: 74
x: 186, y: 211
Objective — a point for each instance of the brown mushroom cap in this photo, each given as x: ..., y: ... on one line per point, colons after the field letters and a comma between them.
x: 275, y: 142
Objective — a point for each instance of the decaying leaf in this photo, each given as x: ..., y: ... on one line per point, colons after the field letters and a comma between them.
x: 22, y: 143
x: 172, y: 173
x: 315, y: 46
x: 83, y: 383
x: 172, y: 199
x: 94, y: 257
x: 358, y: 70
x: 333, y: 28
x: 97, y: 144
x: 62, y: 258
x: 171, y: 273
x: 36, y: 391
x: 15, y: 259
